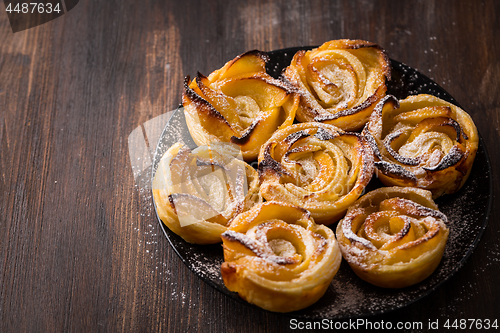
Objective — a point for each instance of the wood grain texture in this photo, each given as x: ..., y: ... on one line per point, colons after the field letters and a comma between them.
x: 80, y: 246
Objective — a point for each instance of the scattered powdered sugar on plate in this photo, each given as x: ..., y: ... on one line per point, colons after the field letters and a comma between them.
x: 211, y: 270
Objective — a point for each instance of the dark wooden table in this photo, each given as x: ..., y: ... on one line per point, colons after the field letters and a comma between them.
x: 80, y: 247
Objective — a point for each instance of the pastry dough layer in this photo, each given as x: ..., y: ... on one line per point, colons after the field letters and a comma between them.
x: 239, y: 103
x: 315, y: 166
x: 339, y: 82
x: 198, y: 193
x: 393, y: 237
x: 422, y: 141
x: 277, y: 258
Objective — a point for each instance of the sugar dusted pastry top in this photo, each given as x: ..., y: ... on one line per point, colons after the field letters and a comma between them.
x: 199, y: 192
x: 315, y: 166
x: 239, y: 103
x: 422, y: 141
x: 278, y: 258
x: 393, y: 237
x: 340, y: 82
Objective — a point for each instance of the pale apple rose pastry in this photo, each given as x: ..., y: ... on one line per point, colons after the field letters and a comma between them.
x: 315, y: 166
x: 277, y: 258
x: 198, y: 193
x: 239, y: 103
x: 422, y: 141
x: 393, y: 237
x: 339, y: 82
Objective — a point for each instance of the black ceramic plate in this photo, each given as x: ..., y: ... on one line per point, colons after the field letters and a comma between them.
x: 348, y: 296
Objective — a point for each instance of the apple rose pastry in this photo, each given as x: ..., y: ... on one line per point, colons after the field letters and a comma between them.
x: 277, y: 258
x: 422, y: 141
x: 339, y: 82
x: 198, y: 193
x: 239, y: 103
x: 393, y: 237
x: 315, y: 166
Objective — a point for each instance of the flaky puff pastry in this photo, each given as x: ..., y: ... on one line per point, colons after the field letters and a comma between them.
x: 277, y: 258
x: 339, y: 82
x: 239, y: 103
x: 198, y: 193
x: 422, y: 141
x: 315, y: 166
x: 393, y: 237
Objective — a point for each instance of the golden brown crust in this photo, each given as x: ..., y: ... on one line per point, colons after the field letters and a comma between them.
x: 198, y: 193
x: 277, y: 258
x: 339, y: 82
x: 315, y: 166
x: 239, y: 103
x: 393, y: 237
x: 422, y: 141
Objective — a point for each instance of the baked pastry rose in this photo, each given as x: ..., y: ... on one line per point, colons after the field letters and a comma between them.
x: 197, y: 193
x: 277, y: 258
x: 239, y: 103
x: 339, y: 82
x: 422, y: 141
x: 315, y: 166
x: 393, y: 237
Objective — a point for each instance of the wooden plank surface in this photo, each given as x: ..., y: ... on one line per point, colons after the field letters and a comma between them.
x: 80, y: 246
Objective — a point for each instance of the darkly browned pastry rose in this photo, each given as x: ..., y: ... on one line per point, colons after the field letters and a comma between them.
x: 315, y: 166
x: 393, y: 237
x: 239, y: 103
x: 422, y: 141
x: 339, y: 82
